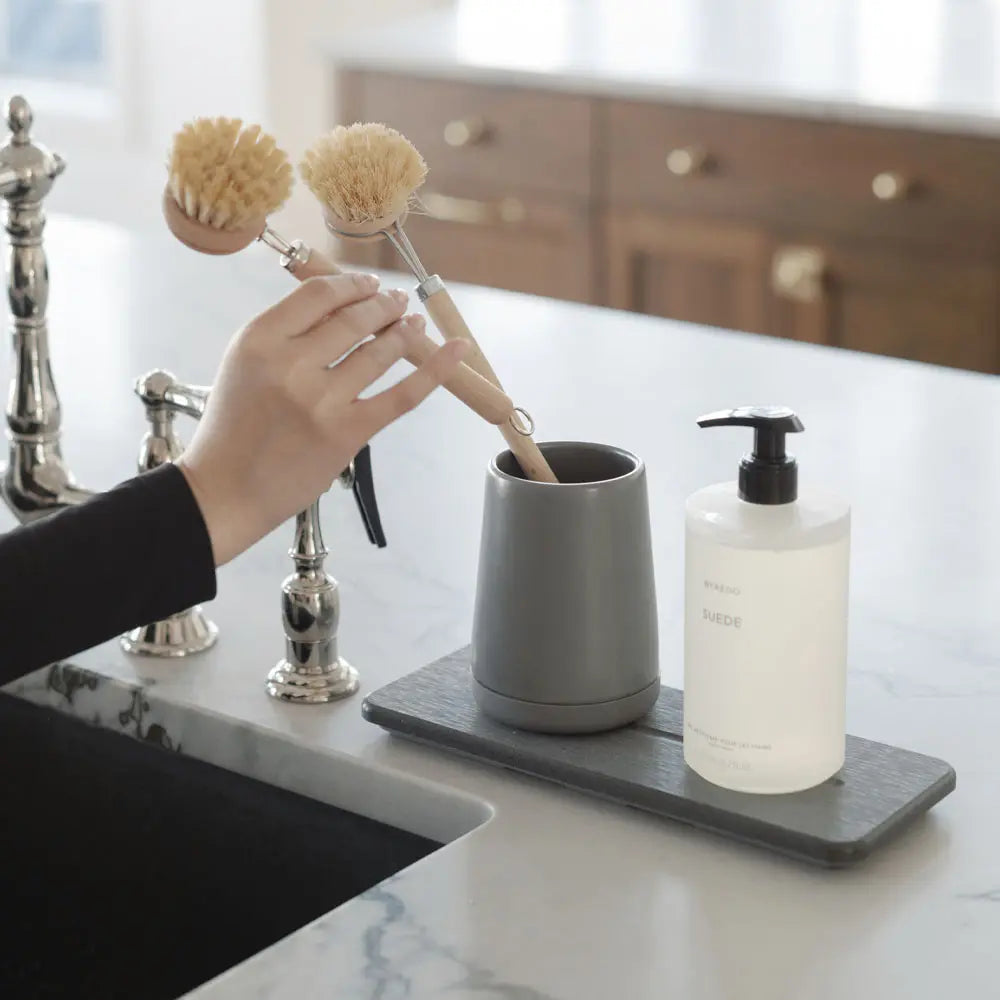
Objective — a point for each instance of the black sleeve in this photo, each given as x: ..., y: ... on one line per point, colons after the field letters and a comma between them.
x: 81, y: 576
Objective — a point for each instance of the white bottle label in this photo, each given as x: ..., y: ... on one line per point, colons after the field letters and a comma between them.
x: 765, y: 659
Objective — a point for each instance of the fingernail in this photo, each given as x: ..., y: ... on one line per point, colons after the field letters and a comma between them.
x: 416, y: 321
x: 399, y: 296
x: 367, y: 281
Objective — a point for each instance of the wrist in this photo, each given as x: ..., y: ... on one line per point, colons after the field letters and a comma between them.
x: 224, y: 531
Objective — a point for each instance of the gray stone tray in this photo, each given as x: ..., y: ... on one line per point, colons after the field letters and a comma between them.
x: 880, y: 791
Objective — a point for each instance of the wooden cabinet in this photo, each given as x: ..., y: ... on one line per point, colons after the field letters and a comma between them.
x: 894, y: 302
x: 859, y: 236
x: 903, y: 304
x: 508, y: 199
x: 696, y: 271
x: 918, y: 189
x: 509, y: 139
x: 872, y: 239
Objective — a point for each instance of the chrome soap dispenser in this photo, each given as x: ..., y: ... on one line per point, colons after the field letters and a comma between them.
x: 765, y: 632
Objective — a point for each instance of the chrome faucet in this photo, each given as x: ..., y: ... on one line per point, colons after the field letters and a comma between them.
x: 36, y: 480
x: 312, y: 670
x: 189, y: 631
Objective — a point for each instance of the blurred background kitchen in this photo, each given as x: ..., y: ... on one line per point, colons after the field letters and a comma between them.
x: 822, y: 170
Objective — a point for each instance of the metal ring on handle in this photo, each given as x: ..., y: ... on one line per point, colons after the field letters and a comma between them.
x: 525, y: 425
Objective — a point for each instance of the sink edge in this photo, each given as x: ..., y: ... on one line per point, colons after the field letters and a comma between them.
x: 408, y: 802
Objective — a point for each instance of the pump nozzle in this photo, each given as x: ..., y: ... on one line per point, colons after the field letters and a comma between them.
x: 767, y: 474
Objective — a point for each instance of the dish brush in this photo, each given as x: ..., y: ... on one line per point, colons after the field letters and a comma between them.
x: 225, y: 178
x: 365, y: 177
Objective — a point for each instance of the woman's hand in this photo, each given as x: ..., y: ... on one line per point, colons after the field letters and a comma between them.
x: 281, y: 424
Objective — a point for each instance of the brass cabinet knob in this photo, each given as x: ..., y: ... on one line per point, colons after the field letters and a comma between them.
x: 797, y: 273
x: 465, y: 131
x: 890, y: 186
x: 686, y: 161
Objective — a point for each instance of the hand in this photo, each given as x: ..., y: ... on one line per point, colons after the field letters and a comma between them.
x: 281, y: 424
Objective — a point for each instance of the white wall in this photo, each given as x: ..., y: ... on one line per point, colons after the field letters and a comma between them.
x: 173, y: 60
x: 195, y: 57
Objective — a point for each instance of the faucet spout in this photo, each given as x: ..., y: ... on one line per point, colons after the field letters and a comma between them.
x: 36, y: 480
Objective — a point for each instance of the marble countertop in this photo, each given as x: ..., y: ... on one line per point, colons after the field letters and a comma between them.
x: 929, y: 64
x: 557, y: 896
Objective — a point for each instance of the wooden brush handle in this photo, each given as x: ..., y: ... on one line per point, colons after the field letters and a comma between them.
x: 529, y: 456
x: 475, y: 382
x: 442, y: 309
x: 315, y: 265
x: 478, y: 393
x: 491, y: 403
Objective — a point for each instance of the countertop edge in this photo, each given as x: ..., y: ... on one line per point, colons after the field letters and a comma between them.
x: 760, y: 102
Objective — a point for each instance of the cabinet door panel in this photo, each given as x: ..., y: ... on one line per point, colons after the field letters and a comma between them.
x: 702, y: 272
x: 891, y: 302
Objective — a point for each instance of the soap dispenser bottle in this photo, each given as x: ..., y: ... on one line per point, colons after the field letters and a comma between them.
x: 765, y: 631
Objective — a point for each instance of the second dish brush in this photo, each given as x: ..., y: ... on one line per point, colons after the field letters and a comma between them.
x: 365, y: 177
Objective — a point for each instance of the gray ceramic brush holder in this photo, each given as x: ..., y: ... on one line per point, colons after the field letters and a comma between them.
x: 564, y: 636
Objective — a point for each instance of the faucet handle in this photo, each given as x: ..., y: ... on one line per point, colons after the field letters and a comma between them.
x: 160, y: 390
x: 363, y: 486
x: 160, y: 443
x: 163, y: 397
x: 19, y: 119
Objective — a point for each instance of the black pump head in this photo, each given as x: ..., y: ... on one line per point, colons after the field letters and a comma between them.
x: 767, y: 474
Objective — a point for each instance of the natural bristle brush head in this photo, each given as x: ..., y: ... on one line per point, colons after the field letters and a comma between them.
x: 364, y: 175
x: 225, y: 179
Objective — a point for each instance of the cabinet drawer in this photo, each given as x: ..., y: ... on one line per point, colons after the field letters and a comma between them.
x: 862, y: 180
x: 513, y: 141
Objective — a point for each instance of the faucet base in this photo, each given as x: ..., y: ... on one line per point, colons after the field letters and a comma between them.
x: 36, y: 483
x: 179, y: 635
x: 315, y: 687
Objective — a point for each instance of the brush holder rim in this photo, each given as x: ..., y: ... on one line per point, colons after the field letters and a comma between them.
x: 551, y: 450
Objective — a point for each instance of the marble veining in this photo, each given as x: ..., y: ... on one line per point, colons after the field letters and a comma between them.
x: 376, y: 947
x: 398, y: 930
x: 134, y: 721
x: 65, y: 679
x: 990, y: 896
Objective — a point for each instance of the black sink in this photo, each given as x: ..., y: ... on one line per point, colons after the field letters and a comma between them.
x: 131, y: 871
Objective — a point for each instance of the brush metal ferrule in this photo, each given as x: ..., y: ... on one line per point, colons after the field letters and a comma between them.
x: 429, y: 286
x: 276, y: 242
x: 293, y: 255
x: 299, y: 257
